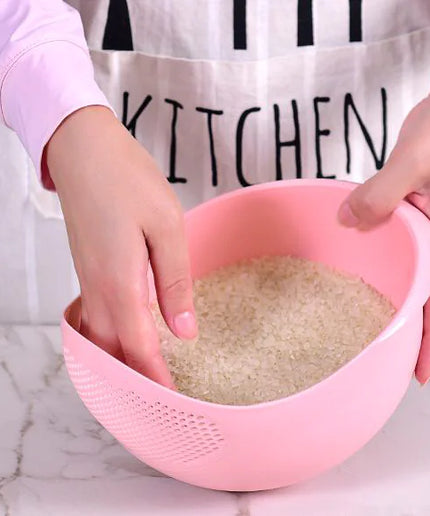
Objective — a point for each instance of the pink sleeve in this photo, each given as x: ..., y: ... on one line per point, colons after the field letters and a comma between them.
x: 45, y: 70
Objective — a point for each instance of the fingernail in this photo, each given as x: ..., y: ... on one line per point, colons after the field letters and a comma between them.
x: 346, y: 217
x: 185, y: 325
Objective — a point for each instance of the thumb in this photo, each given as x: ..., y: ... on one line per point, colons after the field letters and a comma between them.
x: 373, y: 202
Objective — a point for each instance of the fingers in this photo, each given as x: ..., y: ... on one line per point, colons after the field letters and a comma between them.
x: 125, y: 288
x: 170, y: 263
x: 130, y: 335
x: 405, y: 172
x: 115, y: 312
x: 138, y: 334
x: 422, y: 370
x: 374, y: 201
x: 140, y: 344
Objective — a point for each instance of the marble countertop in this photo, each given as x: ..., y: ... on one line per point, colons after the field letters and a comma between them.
x: 56, y: 460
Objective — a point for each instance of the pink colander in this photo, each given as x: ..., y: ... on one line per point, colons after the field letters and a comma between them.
x: 278, y: 443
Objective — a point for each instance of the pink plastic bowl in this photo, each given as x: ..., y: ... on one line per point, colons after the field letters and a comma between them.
x: 278, y: 443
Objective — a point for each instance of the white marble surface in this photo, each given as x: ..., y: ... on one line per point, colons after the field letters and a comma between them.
x: 55, y: 460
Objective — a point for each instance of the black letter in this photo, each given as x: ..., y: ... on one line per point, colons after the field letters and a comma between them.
x: 131, y: 125
x: 355, y: 31
x: 117, y: 34
x: 295, y: 142
x: 211, y: 112
x: 320, y: 132
x: 349, y: 102
x: 172, y: 178
x: 239, y: 24
x: 239, y: 138
x: 305, y: 30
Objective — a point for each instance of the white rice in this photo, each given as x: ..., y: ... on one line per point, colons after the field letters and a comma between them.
x: 271, y: 327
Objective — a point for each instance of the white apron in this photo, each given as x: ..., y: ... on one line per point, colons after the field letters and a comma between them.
x: 225, y: 94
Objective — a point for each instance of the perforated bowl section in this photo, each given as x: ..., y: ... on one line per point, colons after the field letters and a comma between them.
x: 156, y: 433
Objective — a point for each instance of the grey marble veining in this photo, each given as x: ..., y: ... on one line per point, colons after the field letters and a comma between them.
x: 56, y: 460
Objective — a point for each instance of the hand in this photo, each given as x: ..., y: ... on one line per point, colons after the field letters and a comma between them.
x: 121, y: 213
x: 405, y: 175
